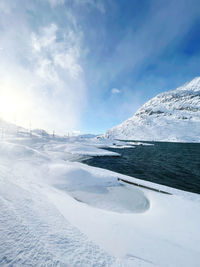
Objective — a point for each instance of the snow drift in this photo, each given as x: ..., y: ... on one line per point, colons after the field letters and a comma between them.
x: 57, y: 212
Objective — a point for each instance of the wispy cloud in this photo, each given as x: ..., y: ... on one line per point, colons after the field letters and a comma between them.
x: 52, y: 54
x: 115, y: 91
x: 43, y: 62
x: 164, y: 24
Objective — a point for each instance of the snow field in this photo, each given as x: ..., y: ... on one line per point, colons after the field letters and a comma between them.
x: 54, y: 212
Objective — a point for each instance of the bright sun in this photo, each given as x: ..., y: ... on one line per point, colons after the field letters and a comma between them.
x: 14, y: 104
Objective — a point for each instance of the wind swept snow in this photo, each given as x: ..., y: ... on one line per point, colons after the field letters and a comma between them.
x: 99, y: 190
x: 56, y: 212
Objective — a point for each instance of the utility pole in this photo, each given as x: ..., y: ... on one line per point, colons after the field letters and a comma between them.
x: 30, y: 129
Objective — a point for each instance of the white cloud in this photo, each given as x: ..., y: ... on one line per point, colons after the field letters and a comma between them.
x: 45, y: 39
x: 68, y: 62
x: 57, y: 55
x: 115, y: 91
x: 52, y: 54
x: 46, y: 68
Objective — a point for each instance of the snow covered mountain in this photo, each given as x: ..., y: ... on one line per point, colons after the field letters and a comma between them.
x: 170, y: 116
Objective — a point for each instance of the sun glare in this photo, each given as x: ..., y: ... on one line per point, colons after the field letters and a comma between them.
x: 15, y: 105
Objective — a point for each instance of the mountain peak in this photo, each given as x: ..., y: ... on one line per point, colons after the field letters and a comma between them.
x: 193, y: 85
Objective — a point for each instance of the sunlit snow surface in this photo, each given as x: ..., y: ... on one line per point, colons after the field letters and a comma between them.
x: 58, y: 212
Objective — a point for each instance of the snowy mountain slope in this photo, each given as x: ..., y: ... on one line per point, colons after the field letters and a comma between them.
x: 170, y: 116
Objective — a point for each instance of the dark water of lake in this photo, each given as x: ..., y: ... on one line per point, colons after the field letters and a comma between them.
x: 173, y: 164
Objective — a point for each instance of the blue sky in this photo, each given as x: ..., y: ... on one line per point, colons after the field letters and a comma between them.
x: 88, y: 65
